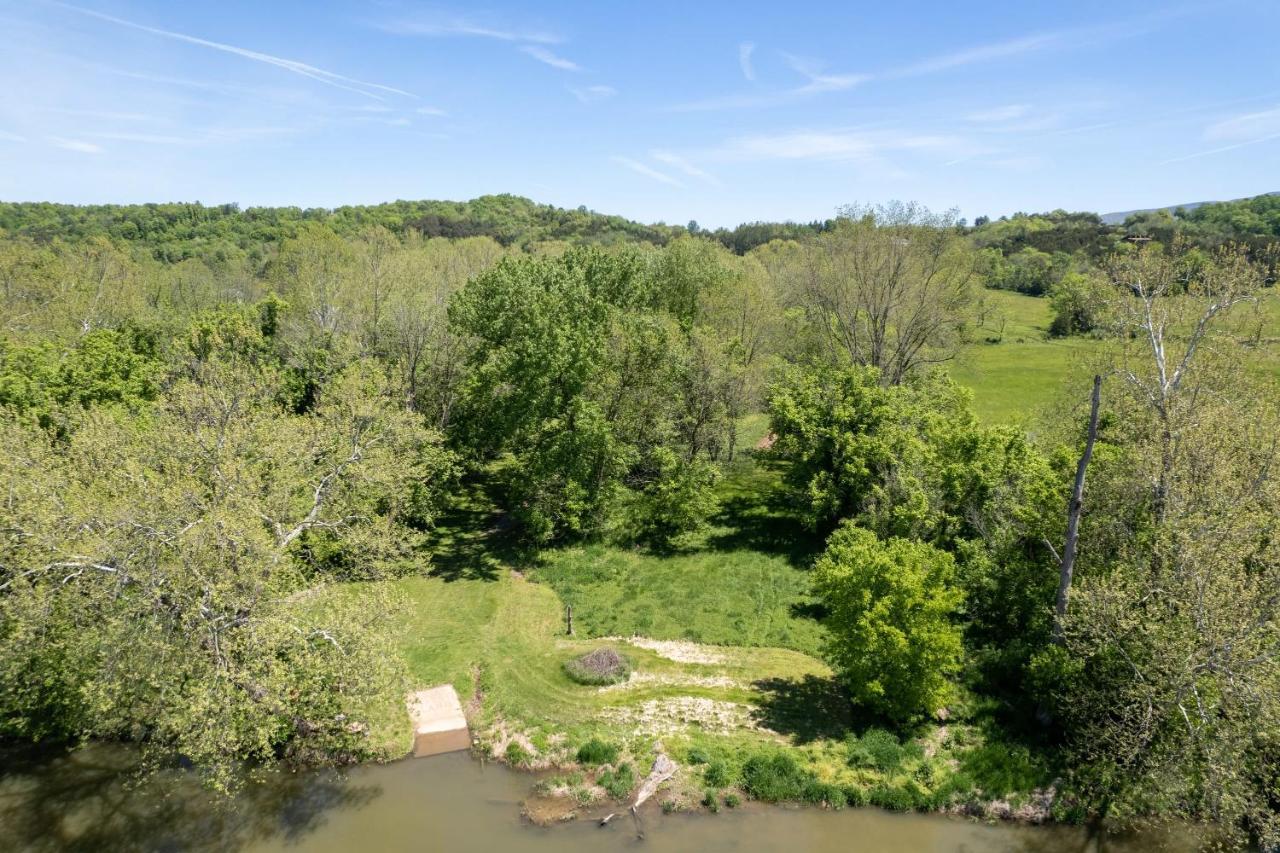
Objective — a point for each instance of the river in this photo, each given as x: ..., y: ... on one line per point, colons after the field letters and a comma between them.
x: 90, y: 800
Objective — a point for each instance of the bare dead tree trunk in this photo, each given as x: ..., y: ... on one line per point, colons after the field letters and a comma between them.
x: 1067, y: 565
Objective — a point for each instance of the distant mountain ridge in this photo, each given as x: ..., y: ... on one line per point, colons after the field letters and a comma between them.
x: 1119, y: 216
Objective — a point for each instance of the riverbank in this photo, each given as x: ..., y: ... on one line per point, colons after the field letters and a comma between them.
x: 91, y: 800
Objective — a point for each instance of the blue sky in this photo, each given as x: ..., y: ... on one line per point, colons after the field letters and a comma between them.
x: 719, y: 112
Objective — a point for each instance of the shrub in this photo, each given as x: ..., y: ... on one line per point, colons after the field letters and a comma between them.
x: 678, y: 500
x: 855, y: 795
x: 892, y: 634
x: 894, y: 798
x: 820, y: 793
x: 599, y: 667
x: 1000, y: 768
x: 877, y: 748
x: 698, y: 755
x: 596, y: 751
x: 709, y: 800
x: 732, y: 800
x: 774, y: 777
x: 717, y: 774
x: 1077, y: 304
x: 619, y: 781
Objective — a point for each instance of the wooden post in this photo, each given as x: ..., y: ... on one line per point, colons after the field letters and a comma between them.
x: 568, y: 618
x: 1067, y: 565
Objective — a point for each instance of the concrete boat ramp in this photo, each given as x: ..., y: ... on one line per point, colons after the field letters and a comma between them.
x: 438, y: 723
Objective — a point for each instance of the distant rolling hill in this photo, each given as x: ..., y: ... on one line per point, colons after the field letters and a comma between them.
x: 1118, y: 217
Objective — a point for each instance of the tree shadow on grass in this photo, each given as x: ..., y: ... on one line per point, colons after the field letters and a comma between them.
x: 805, y: 709
x: 769, y: 521
x: 474, y: 538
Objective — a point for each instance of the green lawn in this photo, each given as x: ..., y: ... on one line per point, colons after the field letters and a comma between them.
x: 1017, y: 378
x: 743, y: 581
x: 1020, y: 377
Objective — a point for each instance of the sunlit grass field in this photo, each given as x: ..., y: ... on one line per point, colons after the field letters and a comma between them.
x: 1020, y: 377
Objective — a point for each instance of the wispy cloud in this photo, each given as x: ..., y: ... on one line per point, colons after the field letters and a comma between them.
x: 744, y: 59
x: 545, y: 56
x: 206, y: 136
x: 106, y: 115
x: 818, y: 81
x: 649, y: 172
x: 835, y: 145
x: 1246, y: 126
x: 981, y: 53
x: 429, y: 23
x: 75, y: 145
x: 144, y: 138
x: 679, y: 163
x: 6, y: 136
x: 591, y: 94
x: 431, y: 111
x: 329, y: 78
x: 999, y: 114
x: 1221, y: 150
x: 1239, y: 131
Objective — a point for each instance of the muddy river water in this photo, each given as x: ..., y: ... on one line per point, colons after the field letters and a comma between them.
x: 91, y: 801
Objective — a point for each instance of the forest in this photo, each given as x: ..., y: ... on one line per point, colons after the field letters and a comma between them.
x: 889, y: 509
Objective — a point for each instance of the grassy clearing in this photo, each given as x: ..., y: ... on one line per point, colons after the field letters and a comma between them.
x: 742, y: 582
x: 483, y: 622
x: 1025, y: 371
x: 1022, y: 374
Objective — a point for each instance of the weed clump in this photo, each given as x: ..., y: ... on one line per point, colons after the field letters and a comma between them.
x: 596, y: 751
x: 774, y: 777
x: 877, y: 748
x: 717, y: 774
x: 599, y: 667
x: 617, y: 782
x: 517, y: 755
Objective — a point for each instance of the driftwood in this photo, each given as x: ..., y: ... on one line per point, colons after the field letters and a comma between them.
x: 610, y: 816
x: 663, y: 769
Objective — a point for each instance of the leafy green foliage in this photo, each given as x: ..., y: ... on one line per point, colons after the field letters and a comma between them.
x: 596, y: 751
x: 892, y: 604
x: 209, y: 653
x: 617, y: 781
x: 677, y: 500
x: 572, y: 383
x: 774, y: 777
x: 1077, y: 307
x: 876, y: 748
x: 906, y: 460
x: 717, y: 774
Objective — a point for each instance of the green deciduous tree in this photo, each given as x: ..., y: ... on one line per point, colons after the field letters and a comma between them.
x: 892, y: 603
x: 152, y: 574
x: 572, y: 384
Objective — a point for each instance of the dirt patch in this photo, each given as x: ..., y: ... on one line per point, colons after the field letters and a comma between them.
x: 545, y: 811
x: 659, y: 717
x: 767, y: 442
x: 681, y: 651
x: 649, y: 679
